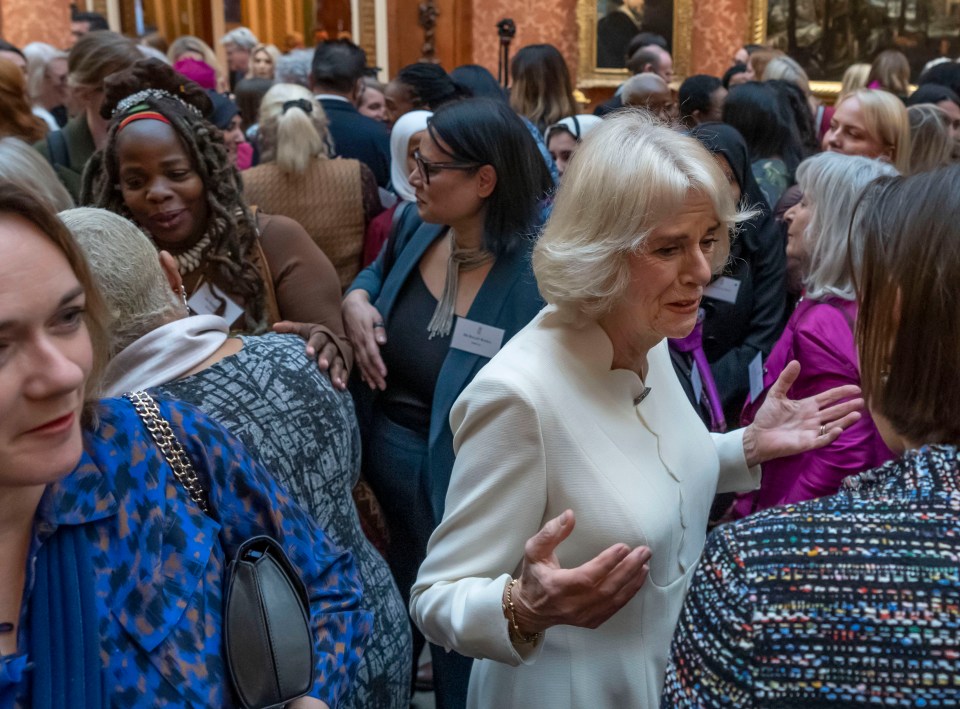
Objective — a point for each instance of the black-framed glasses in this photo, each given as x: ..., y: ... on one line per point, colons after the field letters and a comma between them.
x: 428, y: 168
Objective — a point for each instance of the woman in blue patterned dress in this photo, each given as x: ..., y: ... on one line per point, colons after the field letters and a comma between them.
x: 263, y: 391
x: 111, y: 591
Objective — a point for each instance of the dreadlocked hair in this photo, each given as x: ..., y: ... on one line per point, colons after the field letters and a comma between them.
x: 233, y: 252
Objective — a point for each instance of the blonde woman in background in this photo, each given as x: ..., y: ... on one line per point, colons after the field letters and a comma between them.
x: 263, y: 62
x: 333, y: 200
x: 931, y: 145
x: 854, y: 78
x: 788, y: 69
x: 196, y: 48
x: 871, y: 123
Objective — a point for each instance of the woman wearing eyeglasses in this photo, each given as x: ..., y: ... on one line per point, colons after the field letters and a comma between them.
x: 443, y: 296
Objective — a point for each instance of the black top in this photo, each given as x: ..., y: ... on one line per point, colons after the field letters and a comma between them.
x: 413, y: 361
x: 733, y: 333
x: 358, y: 137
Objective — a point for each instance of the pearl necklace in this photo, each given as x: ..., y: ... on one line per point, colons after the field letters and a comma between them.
x: 189, y: 260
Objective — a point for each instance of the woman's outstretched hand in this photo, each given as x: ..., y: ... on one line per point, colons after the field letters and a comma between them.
x: 585, y: 596
x: 785, y: 426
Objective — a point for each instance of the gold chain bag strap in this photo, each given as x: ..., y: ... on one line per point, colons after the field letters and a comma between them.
x: 266, y: 611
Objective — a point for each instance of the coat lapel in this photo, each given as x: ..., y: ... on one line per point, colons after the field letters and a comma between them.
x: 408, y: 258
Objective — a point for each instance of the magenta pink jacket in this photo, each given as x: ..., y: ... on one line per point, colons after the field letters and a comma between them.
x: 819, y: 335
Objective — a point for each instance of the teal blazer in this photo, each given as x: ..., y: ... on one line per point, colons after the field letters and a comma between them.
x: 508, y: 299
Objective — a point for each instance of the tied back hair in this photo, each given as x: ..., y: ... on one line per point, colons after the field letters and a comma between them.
x: 232, y: 257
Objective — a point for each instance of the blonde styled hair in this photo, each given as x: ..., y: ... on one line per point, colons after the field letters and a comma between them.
x: 786, y: 68
x: 293, y: 136
x: 885, y: 118
x: 20, y: 163
x: 854, y: 78
x: 124, y: 264
x: 930, y: 143
x: 629, y: 176
x: 271, y: 51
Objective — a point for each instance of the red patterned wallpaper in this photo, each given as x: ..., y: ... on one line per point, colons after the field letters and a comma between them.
x: 553, y: 22
x: 26, y: 21
x: 719, y: 27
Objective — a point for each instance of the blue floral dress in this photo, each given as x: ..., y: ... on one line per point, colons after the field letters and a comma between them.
x: 159, y: 562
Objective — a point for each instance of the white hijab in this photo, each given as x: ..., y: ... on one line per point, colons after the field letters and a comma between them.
x: 403, y: 130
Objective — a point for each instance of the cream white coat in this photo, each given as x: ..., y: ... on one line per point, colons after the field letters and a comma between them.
x: 546, y: 426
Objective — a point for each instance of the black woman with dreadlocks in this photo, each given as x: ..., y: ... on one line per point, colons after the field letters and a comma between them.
x: 165, y: 167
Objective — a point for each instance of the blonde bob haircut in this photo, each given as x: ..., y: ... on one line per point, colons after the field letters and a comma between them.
x: 885, y: 118
x: 292, y: 137
x: 629, y: 176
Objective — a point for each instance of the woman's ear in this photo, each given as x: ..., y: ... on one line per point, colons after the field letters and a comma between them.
x: 486, y: 181
x: 172, y: 271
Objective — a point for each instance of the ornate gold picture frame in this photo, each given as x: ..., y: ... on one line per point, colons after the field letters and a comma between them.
x: 854, y: 32
x: 591, y: 75
x: 757, y: 34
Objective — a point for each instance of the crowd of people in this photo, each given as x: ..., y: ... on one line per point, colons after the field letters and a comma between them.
x: 650, y: 406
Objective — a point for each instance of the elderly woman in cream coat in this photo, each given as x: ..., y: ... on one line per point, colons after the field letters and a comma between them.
x: 578, y: 506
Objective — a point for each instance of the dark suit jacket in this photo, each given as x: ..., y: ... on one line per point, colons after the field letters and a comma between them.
x: 508, y: 299
x: 614, y: 32
x: 608, y: 106
x: 359, y: 137
x: 80, y: 148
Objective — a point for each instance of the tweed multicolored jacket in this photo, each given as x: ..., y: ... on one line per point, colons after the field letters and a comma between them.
x: 848, y: 600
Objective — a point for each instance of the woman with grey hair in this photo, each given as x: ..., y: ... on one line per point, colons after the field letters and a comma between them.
x: 47, y: 83
x: 583, y: 477
x: 819, y: 333
x: 264, y: 391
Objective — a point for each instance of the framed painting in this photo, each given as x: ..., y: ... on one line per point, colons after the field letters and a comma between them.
x: 827, y: 36
x: 607, y: 26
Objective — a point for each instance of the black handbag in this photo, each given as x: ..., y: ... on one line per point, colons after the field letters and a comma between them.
x: 266, y: 611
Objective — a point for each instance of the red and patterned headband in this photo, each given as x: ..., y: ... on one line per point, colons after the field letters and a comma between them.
x: 142, y: 116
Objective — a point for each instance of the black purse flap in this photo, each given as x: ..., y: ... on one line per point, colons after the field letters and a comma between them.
x: 268, y: 638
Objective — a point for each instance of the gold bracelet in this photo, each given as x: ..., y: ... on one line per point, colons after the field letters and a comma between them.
x: 510, y: 614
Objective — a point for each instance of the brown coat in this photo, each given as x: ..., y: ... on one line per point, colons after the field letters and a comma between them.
x: 327, y: 200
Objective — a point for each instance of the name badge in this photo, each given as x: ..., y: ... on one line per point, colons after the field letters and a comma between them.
x: 697, y: 382
x: 210, y: 300
x: 724, y: 288
x: 476, y: 338
x: 755, y: 370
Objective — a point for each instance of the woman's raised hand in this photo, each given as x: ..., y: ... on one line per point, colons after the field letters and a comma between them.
x: 585, y: 596
x: 784, y: 426
x: 364, y: 326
